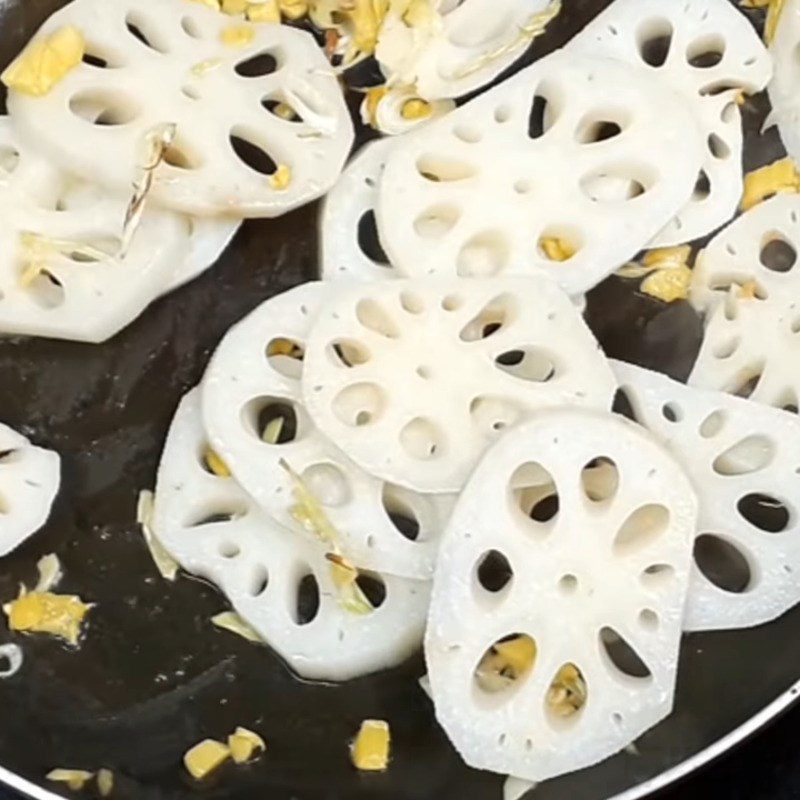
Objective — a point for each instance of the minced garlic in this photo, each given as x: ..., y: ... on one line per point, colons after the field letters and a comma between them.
x: 238, y: 36
x: 45, y: 62
x: 293, y: 9
x: 268, y: 12
x: 44, y: 612
x: 779, y: 177
x: 668, y: 274
x: 415, y: 109
x: 370, y: 750
x: 206, y: 757
x: 105, y: 782
x: 557, y: 248
x: 230, y: 621
x: 281, y: 178
x: 215, y: 464
x: 75, y: 779
x: 567, y: 693
x: 244, y: 745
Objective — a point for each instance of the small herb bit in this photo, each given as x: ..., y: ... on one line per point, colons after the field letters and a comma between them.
x: 45, y: 62
x: 245, y: 745
x: 206, y: 757
x: 281, y: 178
x: 370, y: 750
x: 166, y: 565
x: 75, y: 779
x: 232, y: 622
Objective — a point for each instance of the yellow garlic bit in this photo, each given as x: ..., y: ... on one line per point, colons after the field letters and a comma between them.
x: 230, y: 621
x: 105, y: 782
x: 780, y: 177
x: 238, y: 36
x: 669, y: 275
x: 749, y: 290
x: 281, y: 178
x: 210, y: 3
x: 370, y: 750
x: 44, y: 612
x: 75, y: 779
x: 420, y: 14
x: 415, y: 109
x: 268, y: 12
x: 567, y: 693
x: 244, y: 745
x: 293, y: 9
x: 215, y: 463
x: 556, y: 248
x: 45, y: 62
x: 366, y: 18
x: 234, y: 7
x: 205, y: 758
x: 272, y: 430
x: 372, y: 99
x: 518, y: 653
x: 506, y: 662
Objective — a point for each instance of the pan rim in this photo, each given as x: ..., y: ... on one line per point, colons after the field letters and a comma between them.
x: 668, y: 777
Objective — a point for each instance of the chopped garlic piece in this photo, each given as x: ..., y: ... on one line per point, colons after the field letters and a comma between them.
x: 281, y: 178
x: 293, y: 9
x: 370, y: 750
x: 234, y: 7
x: 50, y: 573
x: 416, y: 108
x: 369, y: 108
x: 245, y: 744
x: 272, y: 430
x: 237, y: 36
x: 780, y: 177
x: 749, y: 290
x: 567, y: 693
x: 105, y: 782
x: 75, y: 779
x: 669, y: 275
x: 264, y: 12
x: 44, y: 612
x: 45, y: 62
x: 232, y: 622
x: 215, y: 463
x: 557, y: 249
x: 166, y: 565
x: 506, y: 662
x: 205, y: 758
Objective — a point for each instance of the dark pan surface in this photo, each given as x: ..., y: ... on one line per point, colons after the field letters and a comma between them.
x: 153, y: 676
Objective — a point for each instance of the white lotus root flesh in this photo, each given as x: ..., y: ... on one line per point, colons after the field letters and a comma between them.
x: 743, y: 460
x: 414, y: 378
x: 167, y: 63
x: 485, y: 190
x: 467, y: 46
x: 575, y: 531
x: 349, y: 245
x: 29, y: 481
x: 786, y: 77
x: 747, y: 282
x: 382, y: 526
x: 277, y: 581
x: 707, y: 52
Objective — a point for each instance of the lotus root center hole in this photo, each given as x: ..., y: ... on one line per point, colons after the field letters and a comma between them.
x: 543, y: 113
x: 622, y: 656
x: 452, y: 302
x: 615, y: 184
x: 9, y: 159
x: 777, y: 255
x: 348, y: 353
x: 271, y: 420
x: 426, y: 373
x: 655, y: 41
x: 506, y: 664
x: 229, y: 549
x: 442, y: 169
x: 641, y: 529
x: 104, y: 108
x: 143, y: 29
x: 600, y: 126
x: 422, y: 439
x: 534, y: 492
x: 748, y: 455
x: 712, y: 424
x: 281, y: 109
x: 178, y: 155
x: 467, y: 133
x: 706, y: 52
x: 398, y: 507
x: 371, y: 314
x: 672, y: 412
x: 258, y: 66
x: 722, y: 563
x: 372, y: 587
x: 718, y: 147
x: 329, y: 484
x: 568, y: 584
x: 528, y: 364
x: 307, y: 600
x: 494, y: 571
x: 286, y: 356
x: 46, y: 290
x: 523, y: 186
x: 502, y: 114
x: 493, y: 317
x: 492, y: 414
x: 765, y: 512
x: 192, y: 92
x: 251, y: 154
x: 259, y: 580
x: 436, y: 221
x: 559, y: 243
x: 484, y: 255
x: 369, y: 241
x: 657, y: 575
x: 600, y: 479
x: 648, y: 619
x: 191, y: 28
x: 359, y: 404
x: 412, y: 303
x: 566, y: 695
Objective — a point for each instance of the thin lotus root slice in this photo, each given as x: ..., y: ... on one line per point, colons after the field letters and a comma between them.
x: 748, y: 283
x: 506, y: 183
x: 255, y: 417
x: 558, y: 597
x: 349, y: 239
x: 168, y: 63
x: 461, y: 46
x: 277, y: 581
x: 783, y: 94
x: 29, y: 481
x: 414, y: 378
x: 743, y: 460
x: 61, y: 275
x: 707, y: 52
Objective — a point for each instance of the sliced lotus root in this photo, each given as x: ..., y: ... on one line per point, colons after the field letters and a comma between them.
x: 29, y: 481
x: 747, y: 282
x: 506, y: 183
x: 557, y: 602
x: 743, y: 460
x: 167, y: 61
x: 463, y: 46
x: 255, y: 417
x: 707, y: 52
x: 276, y: 579
x: 414, y: 378
x: 786, y: 77
x: 350, y: 247
x: 209, y: 237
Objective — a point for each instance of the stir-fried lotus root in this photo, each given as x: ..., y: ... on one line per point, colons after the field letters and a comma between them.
x: 783, y: 93
x: 743, y: 460
x: 255, y: 418
x: 507, y: 182
x: 219, y: 80
x: 558, y: 597
x: 707, y: 52
x: 348, y: 236
x: 278, y: 581
x: 29, y: 480
x: 414, y: 378
x: 450, y: 48
x: 62, y: 270
x: 747, y: 282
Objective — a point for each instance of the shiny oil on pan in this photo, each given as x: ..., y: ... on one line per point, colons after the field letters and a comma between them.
x: 154, y: 676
